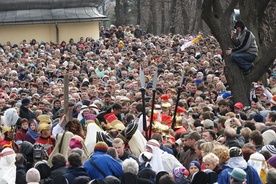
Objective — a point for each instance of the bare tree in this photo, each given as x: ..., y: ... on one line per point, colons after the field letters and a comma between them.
x: 138, y: 7
x: 218, y: 20
x: 172, y: 16
x: 118, y: 13
x: 162, y: 16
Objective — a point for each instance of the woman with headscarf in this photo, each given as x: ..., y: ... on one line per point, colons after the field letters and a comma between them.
x: 32, y: 133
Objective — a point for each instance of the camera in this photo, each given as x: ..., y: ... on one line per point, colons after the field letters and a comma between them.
x: 39, y: 152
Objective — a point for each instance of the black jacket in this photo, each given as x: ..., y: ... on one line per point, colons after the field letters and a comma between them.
x: 26, y: 113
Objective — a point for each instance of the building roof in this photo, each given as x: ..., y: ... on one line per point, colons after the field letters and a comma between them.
x: 22, y: 12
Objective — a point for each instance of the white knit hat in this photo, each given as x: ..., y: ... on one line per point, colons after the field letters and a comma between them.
x: 268, y: 136
x: 33, y: 175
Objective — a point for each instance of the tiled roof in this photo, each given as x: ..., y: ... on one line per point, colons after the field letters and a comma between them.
x: 46, y: 16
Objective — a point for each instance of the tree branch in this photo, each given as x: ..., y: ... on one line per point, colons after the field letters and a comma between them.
x: 265, y: 62
x: 230, y: 8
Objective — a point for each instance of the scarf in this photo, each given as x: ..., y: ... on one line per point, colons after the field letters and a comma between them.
x: 33, y: 133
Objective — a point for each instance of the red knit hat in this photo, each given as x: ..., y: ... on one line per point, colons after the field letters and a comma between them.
x: 101, y: 146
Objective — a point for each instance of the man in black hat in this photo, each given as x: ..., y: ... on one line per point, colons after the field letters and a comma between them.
x: 246, y: 48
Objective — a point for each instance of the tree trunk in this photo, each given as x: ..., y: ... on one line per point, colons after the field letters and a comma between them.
x: 118, y: 13
x: 185, y: 18
x: 138, y: 12
x: 218, y: 22
x: 172, y: 16
x: 125, y: 12
x: 199, y: 25
x: 153, y: 16
x: 162, y: 16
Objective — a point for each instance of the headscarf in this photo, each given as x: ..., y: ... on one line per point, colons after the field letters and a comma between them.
x: 7, y: 166
x: 33, y: 133
x: 156, y: 161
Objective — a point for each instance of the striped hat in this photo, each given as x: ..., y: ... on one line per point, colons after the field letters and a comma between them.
x: 270, y: 148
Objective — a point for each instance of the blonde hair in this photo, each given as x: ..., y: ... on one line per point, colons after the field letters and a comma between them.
x: 207, y: 147
x: 222, y: 152
x: 212, y: 158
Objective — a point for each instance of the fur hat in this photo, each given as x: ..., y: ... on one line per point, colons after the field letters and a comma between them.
x: 101, y: 146
x: 33, y: 175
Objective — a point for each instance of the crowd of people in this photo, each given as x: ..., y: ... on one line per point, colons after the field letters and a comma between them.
x: 103, y: 140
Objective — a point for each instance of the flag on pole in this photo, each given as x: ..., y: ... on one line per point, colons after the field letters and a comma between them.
x: 189, y: 43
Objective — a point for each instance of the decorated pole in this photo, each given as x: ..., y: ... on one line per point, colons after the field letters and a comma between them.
x: 143, y: 91
x: 177, y: 99
x: 153, y: 100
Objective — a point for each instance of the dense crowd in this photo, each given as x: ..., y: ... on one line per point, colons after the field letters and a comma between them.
x: 213, y: 139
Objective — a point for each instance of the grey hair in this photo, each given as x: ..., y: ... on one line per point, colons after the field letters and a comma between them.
x: 130, y: 165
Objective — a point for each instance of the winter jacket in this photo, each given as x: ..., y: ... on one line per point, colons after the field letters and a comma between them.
x: 251, y: 177
x: 246, y: 42
x: 106, y: 163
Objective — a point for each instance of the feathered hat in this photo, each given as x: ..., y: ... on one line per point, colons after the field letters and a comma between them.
x: 9, y: 120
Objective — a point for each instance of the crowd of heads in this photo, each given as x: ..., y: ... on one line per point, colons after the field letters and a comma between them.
x: 104, y: 76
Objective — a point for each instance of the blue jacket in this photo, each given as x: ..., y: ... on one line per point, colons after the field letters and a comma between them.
x: 106, y: 163
x: 251, y: 175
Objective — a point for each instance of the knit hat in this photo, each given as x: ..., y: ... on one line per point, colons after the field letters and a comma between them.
x: 207, y: 123
x: 239, y: 23
x: 101, y: 146
x: 102, y: 137
x: 272, y: 161
x: 226, y: 95
x: 235, y: 152
x: 271, y: 176
x: 75, y: 143
x: 179, y: 172
x: 33, y: 175
x: 195, y: 163
x: 43, y: 168
x: 238, y: 174
x: 258, y: 118
x: 238, y: 105
x: 25, y: 101
x: 270, y: 148
x: 268, y: 136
